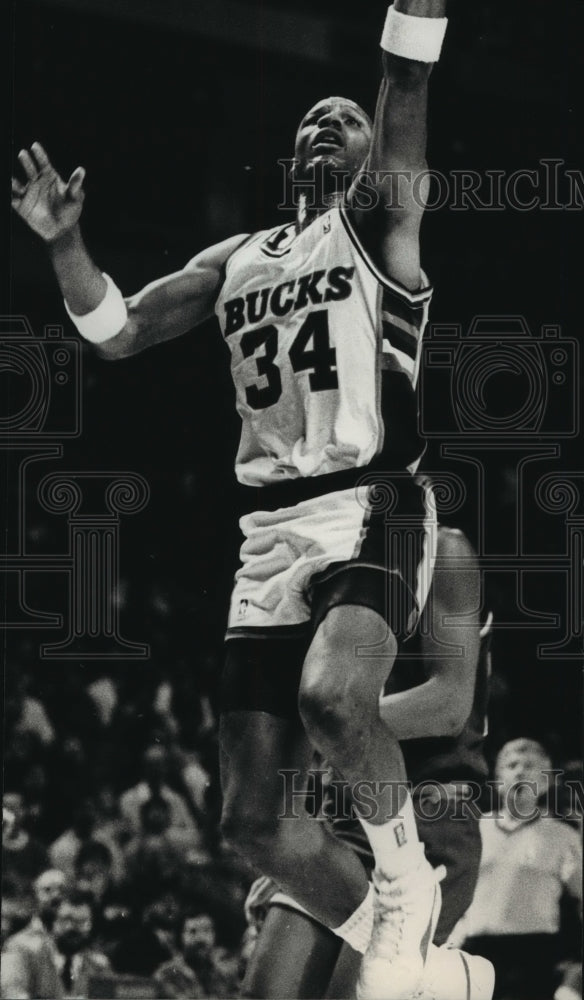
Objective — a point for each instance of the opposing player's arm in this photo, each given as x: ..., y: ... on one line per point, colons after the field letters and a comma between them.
x: 163, y: 310
x: 396, y: 165
x: 450, y: 648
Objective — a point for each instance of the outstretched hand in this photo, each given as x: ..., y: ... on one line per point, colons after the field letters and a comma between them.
x: 48, y: 204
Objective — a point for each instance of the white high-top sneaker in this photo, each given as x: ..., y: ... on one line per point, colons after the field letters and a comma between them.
x: 451, y: 974
x: 406, y: 913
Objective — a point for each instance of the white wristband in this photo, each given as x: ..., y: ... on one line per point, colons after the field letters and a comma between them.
x: 107, y: 320
x: 417, y: 38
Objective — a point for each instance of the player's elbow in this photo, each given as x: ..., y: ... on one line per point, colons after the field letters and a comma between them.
x: 123, y: 345
x: 110, y: 351
x: 405, y: 73
x: 453, y: 715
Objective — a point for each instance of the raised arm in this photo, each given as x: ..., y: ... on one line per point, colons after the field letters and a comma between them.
x: 442, y: 704
x: 396, y: 165
x: 163, y: 310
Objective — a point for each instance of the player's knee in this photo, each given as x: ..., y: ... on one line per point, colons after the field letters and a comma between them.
x: 332, y: 712
x: 339, y: 690
x: 264, y: 841
x: 248, y: 830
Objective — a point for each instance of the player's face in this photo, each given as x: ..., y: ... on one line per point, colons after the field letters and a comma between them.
x: 335, y: 132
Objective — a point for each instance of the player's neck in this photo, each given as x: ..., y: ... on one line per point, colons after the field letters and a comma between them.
x: 307, y: 211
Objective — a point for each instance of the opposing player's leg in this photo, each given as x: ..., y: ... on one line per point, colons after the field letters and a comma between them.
x: 294, y: 957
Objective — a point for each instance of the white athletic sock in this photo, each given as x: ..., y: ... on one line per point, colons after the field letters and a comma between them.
x: 357, y: 930
x: 395, y: 844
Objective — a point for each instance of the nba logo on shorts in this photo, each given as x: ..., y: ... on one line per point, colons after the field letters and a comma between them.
x: 400, y: 834
x: 242, y: 607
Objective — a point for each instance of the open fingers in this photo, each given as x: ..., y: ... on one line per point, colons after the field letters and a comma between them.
x: 75, y: 182
x: 18, y: 189
x: 41, y: 157
x: 28, y: 165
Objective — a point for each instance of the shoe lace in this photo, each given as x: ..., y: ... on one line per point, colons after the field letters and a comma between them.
x: 398, y: 899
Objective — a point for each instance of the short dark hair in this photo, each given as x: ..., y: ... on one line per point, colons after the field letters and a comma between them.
x: 193, y: 912
x: 79, y: 897
x: 154, y: 801
x: 93, y: 850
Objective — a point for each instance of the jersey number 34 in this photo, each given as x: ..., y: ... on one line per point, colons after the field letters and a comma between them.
x: 310, y: 351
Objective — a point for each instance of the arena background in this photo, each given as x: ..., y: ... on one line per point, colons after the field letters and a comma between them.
x: 180, y: 112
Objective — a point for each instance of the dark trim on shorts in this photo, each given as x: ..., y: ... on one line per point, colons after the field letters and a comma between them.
x: 364, y: 586
x: 262, y: 674
x: 268, y: 632
x: 291, y: 492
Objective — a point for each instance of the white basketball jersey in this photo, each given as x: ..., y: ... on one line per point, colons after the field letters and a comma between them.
x: 325, y: 353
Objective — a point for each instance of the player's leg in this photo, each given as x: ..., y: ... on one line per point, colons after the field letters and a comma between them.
x: 296, y: 957
x: 348, y: 662
x: 293, y: 959
x: 452, y: 838
x: 261, y: 736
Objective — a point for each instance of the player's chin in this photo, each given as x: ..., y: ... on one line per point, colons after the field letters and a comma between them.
x: 330, y: 159
x: 317, y: 162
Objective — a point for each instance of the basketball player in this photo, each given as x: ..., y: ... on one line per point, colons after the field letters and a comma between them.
x: 324, y: 319
x: 430, y: 699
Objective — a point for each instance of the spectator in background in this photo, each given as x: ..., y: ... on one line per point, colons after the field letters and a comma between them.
x: 141, y: 951
x: 24, y: 857
x: 530, y: 861
x: 25, y: 761
x: 109, y: 822
x: 93, y: 875
x: 103, y: 693
x: 201, y: 969
x: 154, y: 784
x: 71, y: 779
x: 94, y: 871
x: 23, y: 713
x: 49, y: 889
x: 155, y: 855
x: 16, y: 913
x: 63, y: 964
x: 63, y: 851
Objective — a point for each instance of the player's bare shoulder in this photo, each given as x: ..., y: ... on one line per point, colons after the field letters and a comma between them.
x: 214, y: 258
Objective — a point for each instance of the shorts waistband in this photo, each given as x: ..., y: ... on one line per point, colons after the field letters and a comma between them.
x: 294, y: 491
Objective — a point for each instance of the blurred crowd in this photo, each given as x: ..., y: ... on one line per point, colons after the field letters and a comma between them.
x: 113, y: 862
x: 112, y: 801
